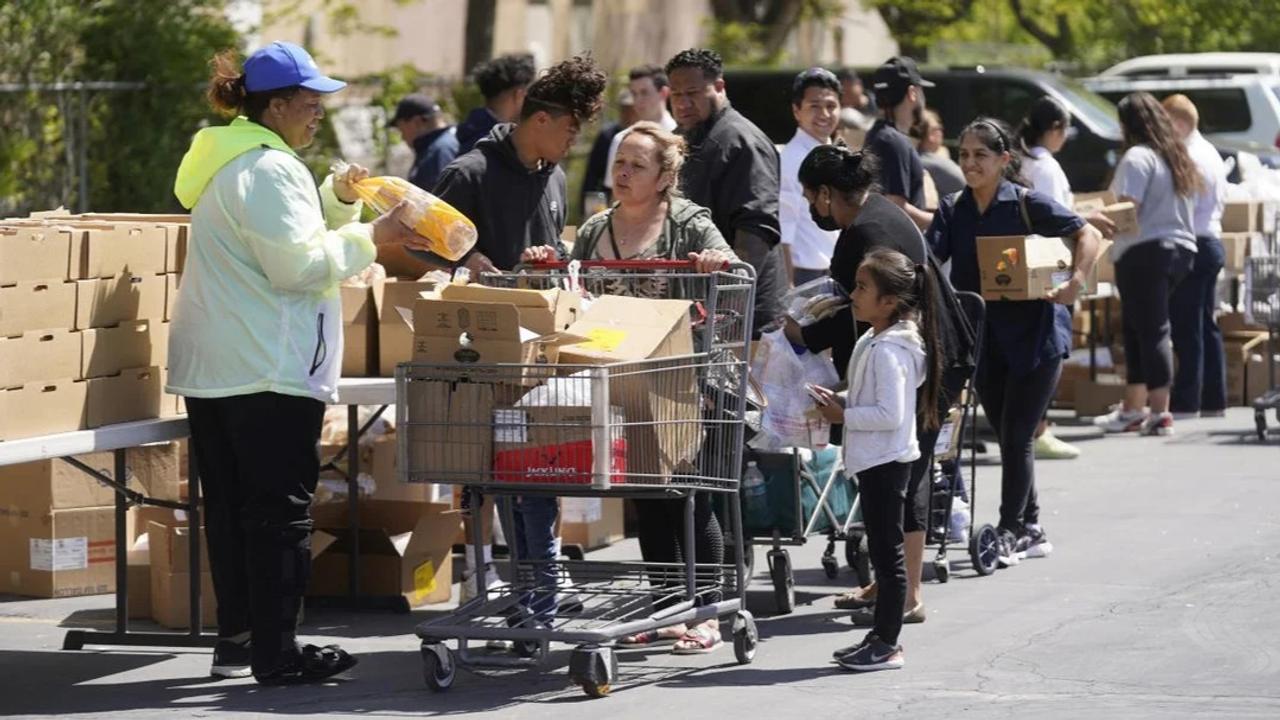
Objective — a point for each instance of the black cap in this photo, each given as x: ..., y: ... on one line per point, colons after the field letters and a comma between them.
x: 894, y: 77
x: 413, y: 106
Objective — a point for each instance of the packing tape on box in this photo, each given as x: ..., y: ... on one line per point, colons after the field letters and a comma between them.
x: 424, y: 581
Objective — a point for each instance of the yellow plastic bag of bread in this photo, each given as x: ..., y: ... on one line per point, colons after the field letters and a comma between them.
x: 448, y: 233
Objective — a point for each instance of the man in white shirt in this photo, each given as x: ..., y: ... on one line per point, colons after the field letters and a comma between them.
x: 1200, y: 381
x: 815, y: 103
x: 649, y: 91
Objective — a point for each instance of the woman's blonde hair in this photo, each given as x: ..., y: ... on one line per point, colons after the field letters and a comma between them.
x: 671, y: 152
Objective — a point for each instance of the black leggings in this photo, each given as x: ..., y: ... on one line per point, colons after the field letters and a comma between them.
x: 662, y: 538
x: 1014, y: 406
x: 1146, y: 275
x: 883, y: 490
x: 258, y: 466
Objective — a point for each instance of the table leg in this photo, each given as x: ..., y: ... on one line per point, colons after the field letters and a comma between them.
x: 193, y: 524
x: 120, y: 473
x: 353, y: 499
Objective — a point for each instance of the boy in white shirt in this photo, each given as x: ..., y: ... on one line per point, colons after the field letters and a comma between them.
x: 815, y: 103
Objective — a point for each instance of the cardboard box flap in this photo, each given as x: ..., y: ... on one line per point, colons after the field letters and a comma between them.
x: 435, y: 530
x: 1093, y: 201
x: 481, y: 321
x: 621, y: 328
x: 543, y: 311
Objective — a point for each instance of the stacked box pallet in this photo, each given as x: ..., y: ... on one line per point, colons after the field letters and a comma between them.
x: 84, y: 307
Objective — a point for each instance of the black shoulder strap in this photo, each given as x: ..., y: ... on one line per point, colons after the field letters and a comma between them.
x: 1022, y: 208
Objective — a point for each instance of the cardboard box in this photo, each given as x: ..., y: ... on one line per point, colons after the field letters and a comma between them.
x: 36, y: 356
x: 661, y: 398
x: 1095, y: 397
x: 175, y: 227
x: 1016, y: 267
x: 1234, y: 322
x: 110, y: 301
x: 1071, y: 376
x: 43, y: 408
x: 33, y: 253
x: 102, y: 250
x: 542, y: 311
x: 57, y: 553
x: 480, y: 335
x: 131, y: 344
x: 1090, y: 202
x: 359, y: 332
x: 172, y: 281
x: 394, y: 304
x: 58, y: 485
x: 379, y: 479
x: 31, y: 306
x: 405, y: 550
x: 451, y: 438
x: 1242, y: 216
x: 592, y: 522
x: 1247, y: 370
x: 171, y: 577
x: 553, y: 445
x: 134, y: 394
x: 1123, y: 214
x: 1235, y: 248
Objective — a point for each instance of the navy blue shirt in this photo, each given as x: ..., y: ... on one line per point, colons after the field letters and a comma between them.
x: 901, y: 171
x: 1026, y: 332
x: 475, y: 126
x: 432, y: 152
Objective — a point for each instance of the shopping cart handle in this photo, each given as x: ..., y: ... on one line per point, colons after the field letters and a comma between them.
x: 658, y: 264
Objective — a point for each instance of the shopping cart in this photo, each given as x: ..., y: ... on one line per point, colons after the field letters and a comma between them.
x: 1262, y: 284
x: 665, y: 428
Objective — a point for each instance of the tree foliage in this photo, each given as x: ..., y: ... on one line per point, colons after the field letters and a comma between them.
x: 753, y: 32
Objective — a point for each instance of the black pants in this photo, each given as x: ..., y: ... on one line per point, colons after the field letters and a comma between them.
x: 1014, y: 406
x: 1146, y: 275
x: 1200, y: 382
x: 662, y: 539
x: 883, y: 490
x: 258, y: 466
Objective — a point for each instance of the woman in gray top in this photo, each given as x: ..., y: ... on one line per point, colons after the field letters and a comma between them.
x: 650, y: 221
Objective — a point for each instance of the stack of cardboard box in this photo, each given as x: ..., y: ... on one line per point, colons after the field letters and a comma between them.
x: 84, y: 307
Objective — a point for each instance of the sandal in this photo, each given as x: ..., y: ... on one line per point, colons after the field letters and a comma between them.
x: 308, y: 665
x: 652, y: 637
x: 853, y: 600
x: 698, y: 640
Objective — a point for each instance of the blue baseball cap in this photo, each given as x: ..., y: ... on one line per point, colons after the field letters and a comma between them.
x: 282, y: 65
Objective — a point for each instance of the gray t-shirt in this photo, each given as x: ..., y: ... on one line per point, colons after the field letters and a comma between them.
x: 1163, y: 214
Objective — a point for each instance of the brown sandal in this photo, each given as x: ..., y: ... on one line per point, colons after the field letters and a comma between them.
x: 698, y: 640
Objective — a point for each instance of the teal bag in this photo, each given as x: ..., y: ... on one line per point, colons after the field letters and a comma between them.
x: 784, y: 489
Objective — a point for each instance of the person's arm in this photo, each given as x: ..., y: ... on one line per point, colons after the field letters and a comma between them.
x: 889, y: 412
x: 748, y: 186
x: 922, y: 218
x: 1050, y: 219
x: 290, y: 237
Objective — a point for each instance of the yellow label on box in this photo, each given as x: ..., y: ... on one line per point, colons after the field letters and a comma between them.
x: 603, y: 339
x: 424, y: 581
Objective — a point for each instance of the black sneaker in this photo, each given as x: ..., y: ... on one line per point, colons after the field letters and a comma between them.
x: 309, y: 664
x: 1008, y: 549
x: 1034, y: 543
x: 841, y: 652
x: 875, y: 654
x: 231, y: 659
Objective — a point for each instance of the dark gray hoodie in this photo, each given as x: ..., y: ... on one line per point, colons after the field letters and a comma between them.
x: 512, y: 206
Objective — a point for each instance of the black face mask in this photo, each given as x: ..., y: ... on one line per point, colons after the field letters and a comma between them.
x: 824, y: 222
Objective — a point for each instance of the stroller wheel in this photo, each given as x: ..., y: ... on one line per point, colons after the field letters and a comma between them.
x: 984, y: 550
x: 858, y: 557
x: 1260, y: 420
x: 830, y: 566
x: 942, y: 570
x: 784, y: 584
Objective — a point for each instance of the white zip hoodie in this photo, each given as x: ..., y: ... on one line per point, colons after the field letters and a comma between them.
x: 884, y: 374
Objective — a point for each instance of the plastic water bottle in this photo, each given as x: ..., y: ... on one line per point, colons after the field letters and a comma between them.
x: 753, y: 491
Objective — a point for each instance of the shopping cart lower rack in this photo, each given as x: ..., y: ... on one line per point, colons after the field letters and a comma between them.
x: 661, y: 428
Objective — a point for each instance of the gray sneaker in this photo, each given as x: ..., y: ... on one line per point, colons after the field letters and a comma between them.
x: 1008, y: 549
x: 873, y: 655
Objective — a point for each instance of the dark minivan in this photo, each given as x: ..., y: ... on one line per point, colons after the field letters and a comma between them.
x: 1091, y: 152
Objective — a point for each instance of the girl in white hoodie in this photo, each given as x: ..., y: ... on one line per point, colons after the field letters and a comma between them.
x: 895, y: 373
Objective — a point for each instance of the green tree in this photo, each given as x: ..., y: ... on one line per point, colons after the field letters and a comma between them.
x: 753, y: 32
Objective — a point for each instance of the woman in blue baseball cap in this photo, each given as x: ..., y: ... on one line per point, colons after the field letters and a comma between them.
x: 256, y: 346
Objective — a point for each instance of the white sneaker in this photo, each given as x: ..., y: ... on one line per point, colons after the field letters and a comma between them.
x: 491, y: 582
x: 1121, y: 420
x: 1051, y: 447
x: 1158, y: 425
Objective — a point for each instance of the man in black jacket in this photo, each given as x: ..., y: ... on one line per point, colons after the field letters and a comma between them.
x: 513, y: 189
x: 732, y: 170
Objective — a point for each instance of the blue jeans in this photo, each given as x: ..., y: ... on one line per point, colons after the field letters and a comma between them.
x: 533, y: 539
x: 1200, y: 382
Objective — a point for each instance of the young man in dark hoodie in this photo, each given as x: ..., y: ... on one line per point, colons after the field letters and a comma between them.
x: 503, y: 81
x: 513, y: 189
x: 732, y: 170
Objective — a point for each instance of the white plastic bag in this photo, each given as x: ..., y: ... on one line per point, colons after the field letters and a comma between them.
x: 789, y: 418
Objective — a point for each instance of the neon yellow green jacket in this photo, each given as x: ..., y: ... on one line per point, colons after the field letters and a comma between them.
x: 258, y: 308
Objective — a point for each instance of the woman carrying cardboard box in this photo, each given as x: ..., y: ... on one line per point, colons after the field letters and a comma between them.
x: 1024, y: 342
x: 256, y: 346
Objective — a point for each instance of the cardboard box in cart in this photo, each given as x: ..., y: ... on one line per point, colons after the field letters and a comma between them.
x: 553, y: 444
x: 660, y: 400
x: 542, y: 311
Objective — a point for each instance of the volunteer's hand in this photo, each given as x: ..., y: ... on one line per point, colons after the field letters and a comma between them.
x: 539, y: 254
x: 1067, y: 293
x: 1103, y: 223
x: 477, y: 263
x: 343, y: 186
x: 390, y: 230
x: 708, y: 261
x: 791, y: 329
x: 829, y: 403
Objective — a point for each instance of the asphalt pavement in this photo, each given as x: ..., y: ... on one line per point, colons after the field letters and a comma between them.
x: 1159, y: 601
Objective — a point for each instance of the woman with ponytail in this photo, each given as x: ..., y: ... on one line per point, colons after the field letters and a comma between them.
x: 895, y: 375
x: 1025, y: 342
x: 256, y: 346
